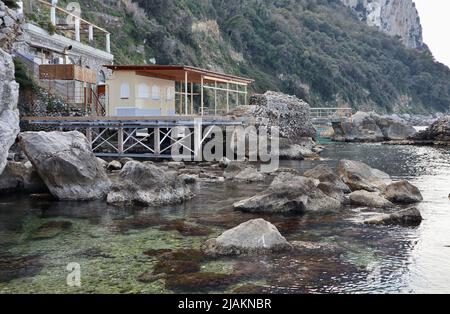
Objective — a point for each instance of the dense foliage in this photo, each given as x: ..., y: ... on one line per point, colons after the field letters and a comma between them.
x: 315, y: 49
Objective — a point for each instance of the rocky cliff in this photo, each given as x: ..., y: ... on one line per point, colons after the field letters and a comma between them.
x: 394, y: 17
x: 9, y: 89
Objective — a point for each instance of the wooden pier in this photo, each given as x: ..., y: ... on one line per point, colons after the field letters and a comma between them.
x: 141, y: 137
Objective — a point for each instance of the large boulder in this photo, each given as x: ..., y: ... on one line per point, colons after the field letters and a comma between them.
x: 21, y: 177
x: 437, y: 133
x: 290, y: 193
x: 371, y: 127
x: 406, y: 217
x: 9, y: 115
x: 359, y: 176
x: 361, y: 128
x: 403, y: 192
x: 290, y: 114
x: 144, y: 183
x: 393, y: 128
x: 252, y: 237
x: 65, y: 162
x: 325, y: 174
x: 369, y: 199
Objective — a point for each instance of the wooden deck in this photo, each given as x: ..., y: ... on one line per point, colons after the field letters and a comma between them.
x: 156, y: 121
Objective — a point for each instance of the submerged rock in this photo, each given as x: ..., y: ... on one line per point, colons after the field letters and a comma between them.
x: 369, y: 199
x: 406, y: 217
x: 289, y: 193
x: 252, y: 237
x: 50, y: 229
x: 147, y: 184
x: 359, y: 176
x: 186, y: 229
x: 403, y: 192
x: 14, y: 267
x: 199, y: 281
x: 66, y: 164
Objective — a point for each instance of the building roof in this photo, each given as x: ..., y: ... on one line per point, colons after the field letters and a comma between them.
x: 177, y: 73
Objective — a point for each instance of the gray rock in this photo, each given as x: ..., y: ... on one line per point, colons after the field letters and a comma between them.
x: 176, y: 165
x: 393, y: 129
x: 290, y: 114
x: 403, y: 192
x: 437, y: 133
x: 21, y: 177
x: 66, y: 164
x: 297, y: 150
x: 332, y: 191
x: 371, y: 127
x: 252, y: 237
x: 124, y: 160
x: 406, y: 217
x: 147, y: 184
x: 289, y: 193
x: 361, y: 128
x: 241, y: 171
x: 325, y: 174
x: 359, y: 176
x: 369, y: 199
x: 103, y: 163
x: 114, y: 165
x: 9, y: 115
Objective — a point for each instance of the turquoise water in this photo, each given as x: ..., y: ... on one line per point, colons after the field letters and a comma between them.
x: 156, y: 250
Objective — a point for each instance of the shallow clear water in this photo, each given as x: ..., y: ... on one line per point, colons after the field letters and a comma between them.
x: 109, y: 242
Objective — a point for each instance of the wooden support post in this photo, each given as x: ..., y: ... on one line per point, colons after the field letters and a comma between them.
x: 202, y: 96
x: 237, y: 95
x: 192, y: 98
x: 120, y: 140
x: 185, y: 92
x: 246, y: 95
x: 91, y: 33
x: 157, y: 141
x: 77, y: 29
x: 228, y: 97
x: 215, y: 98
x: 108, y: 43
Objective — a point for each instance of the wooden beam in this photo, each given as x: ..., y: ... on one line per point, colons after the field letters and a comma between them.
x: 202, y: 96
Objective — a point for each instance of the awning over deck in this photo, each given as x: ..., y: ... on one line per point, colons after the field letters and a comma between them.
x: 178, y: 73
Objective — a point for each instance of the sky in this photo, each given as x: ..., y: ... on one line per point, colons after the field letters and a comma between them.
x: 435, y: 19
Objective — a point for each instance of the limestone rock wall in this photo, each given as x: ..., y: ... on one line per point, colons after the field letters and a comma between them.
x: 394, y: 17
x: 9, y: 89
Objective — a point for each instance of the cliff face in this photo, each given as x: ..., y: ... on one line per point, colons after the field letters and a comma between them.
x: 9, y: 89
x: 394, y: 17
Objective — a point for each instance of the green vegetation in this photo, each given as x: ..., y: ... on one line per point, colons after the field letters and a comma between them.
x: 315, y: 49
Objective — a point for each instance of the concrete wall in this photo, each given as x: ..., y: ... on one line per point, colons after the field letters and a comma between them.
x: 37, y: 41
x: 141, y: 100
